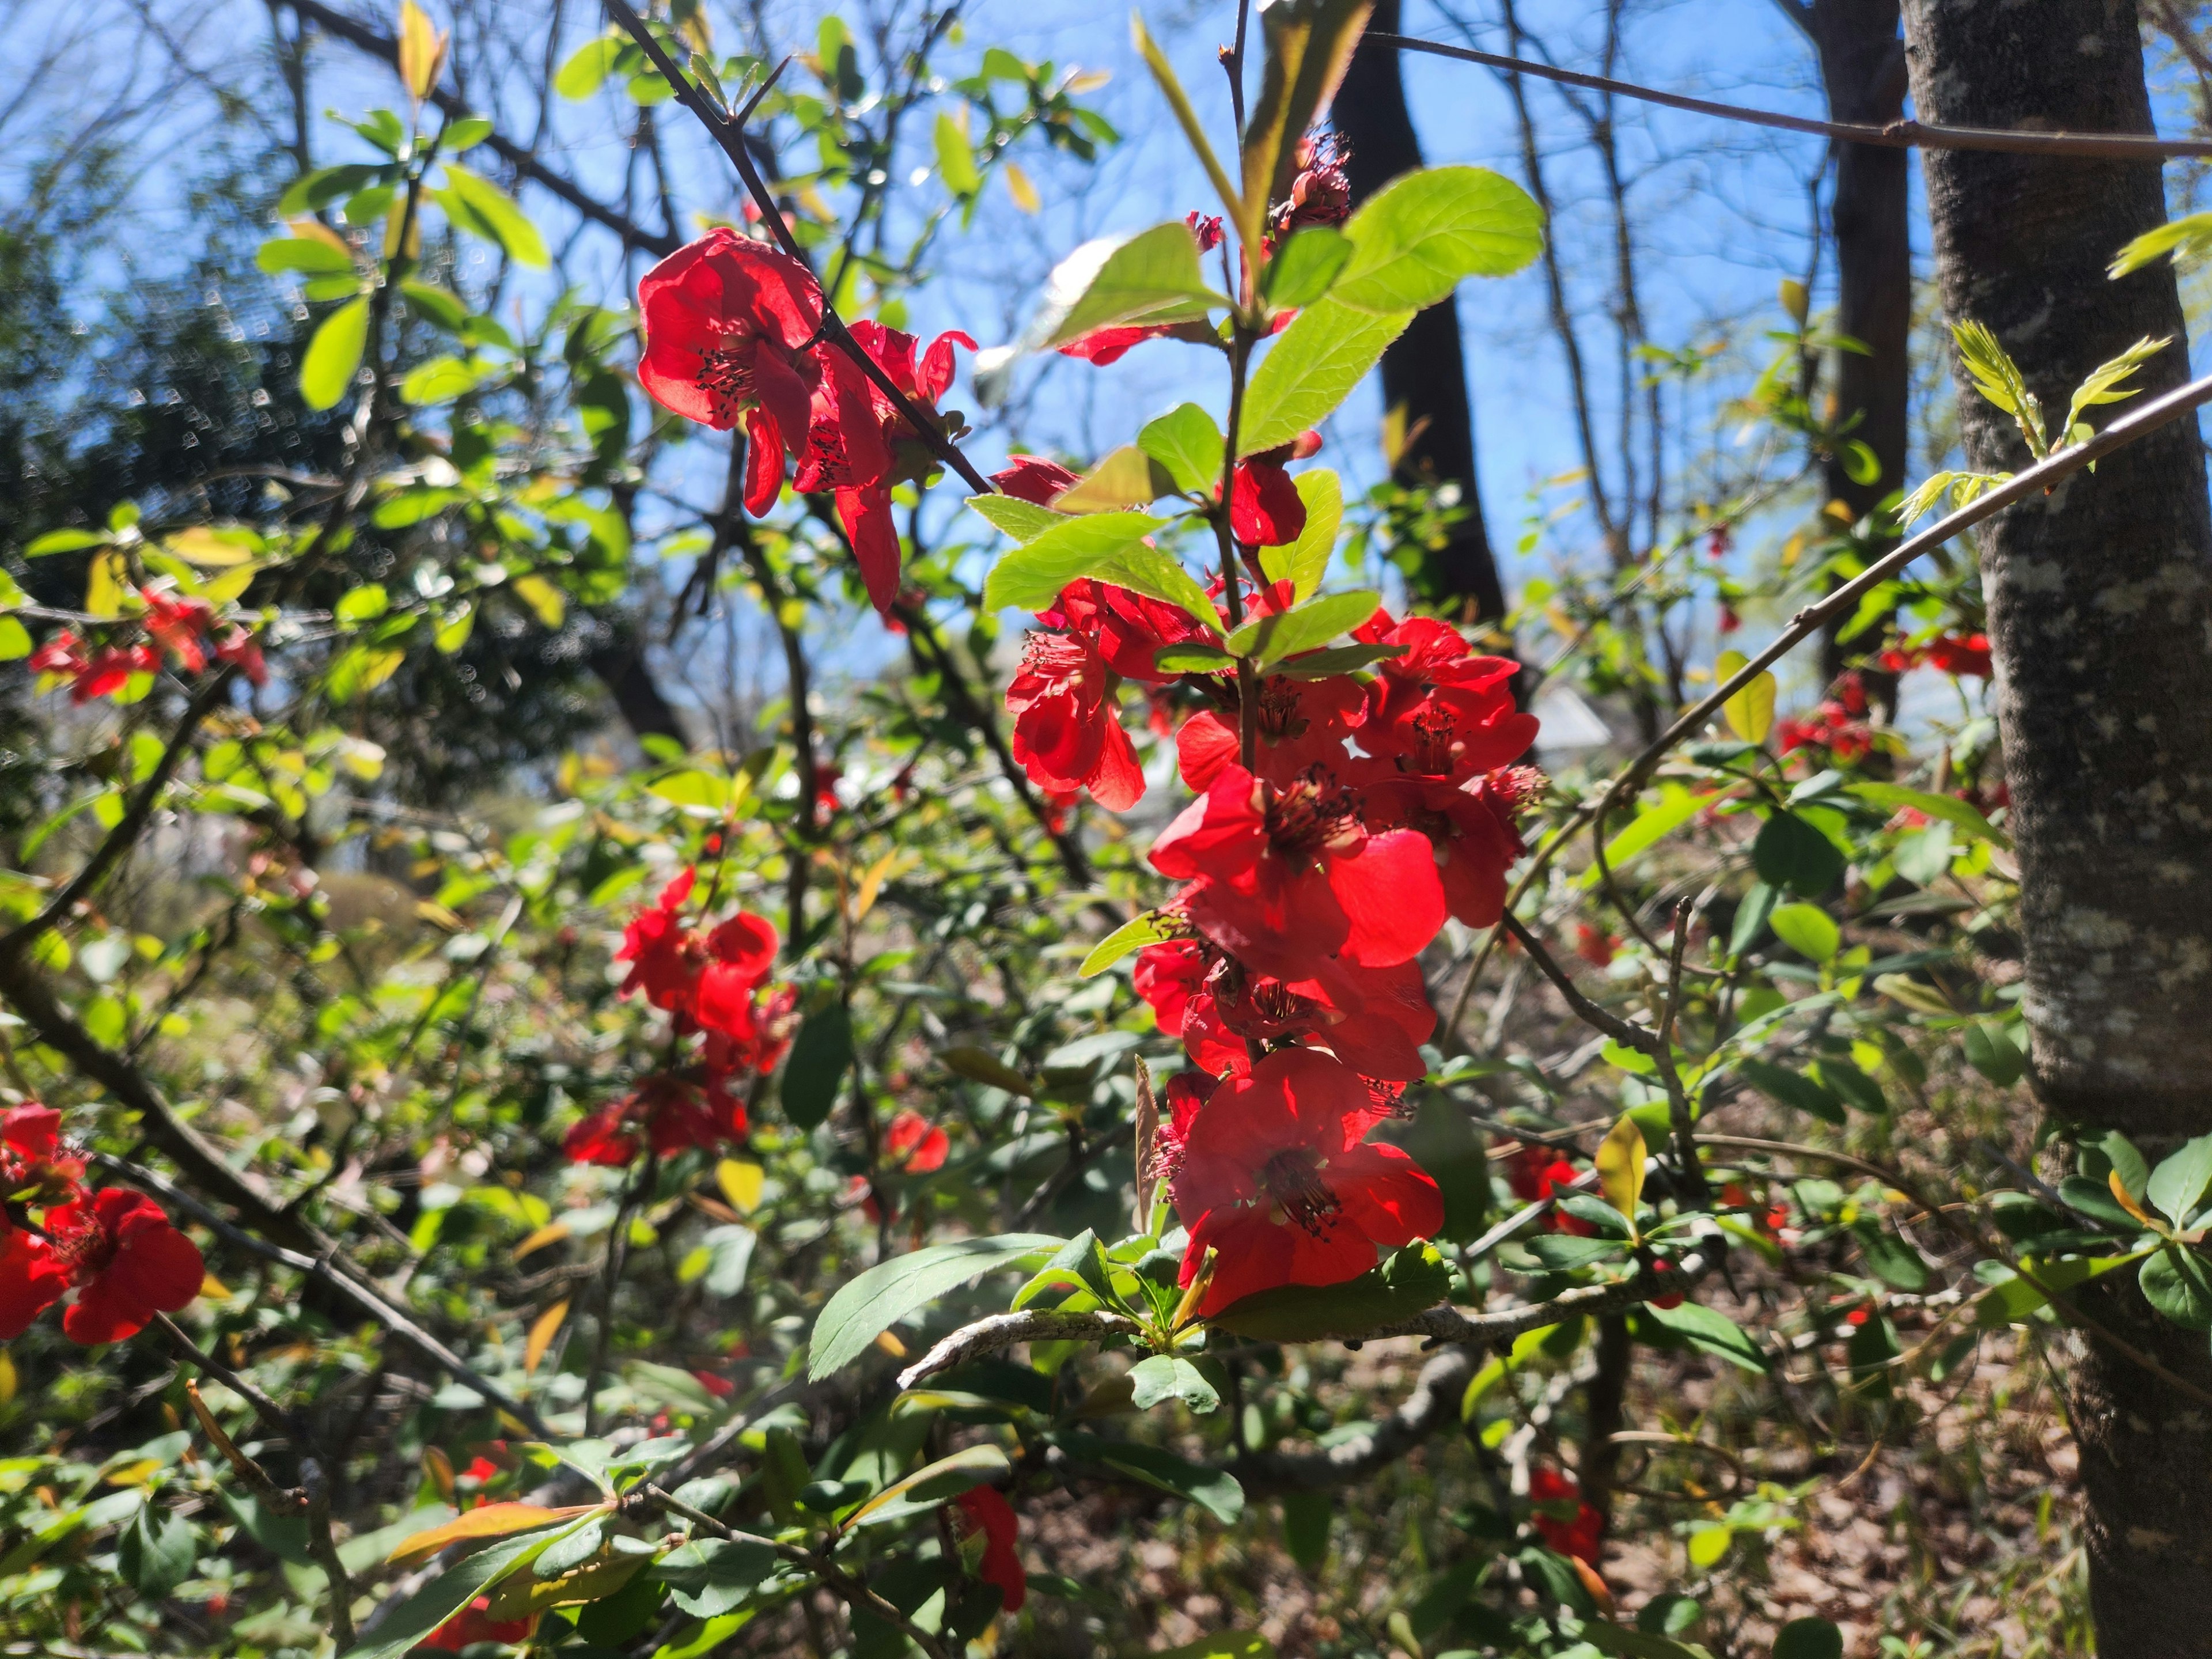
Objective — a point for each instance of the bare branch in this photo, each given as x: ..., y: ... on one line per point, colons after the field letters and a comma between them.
x: 1004, y: 1330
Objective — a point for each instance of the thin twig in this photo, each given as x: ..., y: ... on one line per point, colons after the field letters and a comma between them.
x: 1898, y: 135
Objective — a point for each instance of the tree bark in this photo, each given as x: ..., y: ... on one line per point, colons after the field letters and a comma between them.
x: 1425, y: 370
x: 2100, y: 612
x: 1862, y: 72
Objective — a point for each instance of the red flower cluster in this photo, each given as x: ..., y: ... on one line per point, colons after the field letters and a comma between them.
x: 115, y: 1247
x: 711, y: 979
x: 1321, y: 192
x: 1371, y: 808
x: 1966, y: 656
x: 1564, y: 1519
x: 1838, y: 724
x: 183, y: 628
x: 985, y: 1509
x: 733, y: 333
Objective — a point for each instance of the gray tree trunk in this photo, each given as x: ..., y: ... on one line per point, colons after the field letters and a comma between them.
x: 2100, y: 612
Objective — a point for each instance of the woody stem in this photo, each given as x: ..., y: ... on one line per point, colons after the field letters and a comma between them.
x: 1240, y: 353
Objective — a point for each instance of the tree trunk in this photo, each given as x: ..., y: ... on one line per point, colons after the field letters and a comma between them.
x: 1425, y: 370
x: 2100, y: 612
x: 1863, y: 71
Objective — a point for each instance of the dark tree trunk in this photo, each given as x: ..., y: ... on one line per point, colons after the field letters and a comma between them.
x: 1425, y: 370
x: 1863, y: 71
x: 2100, y: 612
x: 620, y: 665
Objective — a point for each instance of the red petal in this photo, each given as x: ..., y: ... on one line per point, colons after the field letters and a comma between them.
x: 1117, y: 783
x: 1391, y: 892
x: 866, y: 515
x: 764, y: 462
x: 31, y: 1280
x: 1265, y: 508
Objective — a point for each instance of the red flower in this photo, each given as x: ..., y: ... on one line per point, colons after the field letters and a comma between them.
x: 33, y: 1159
x: 1289, y: 878
x: 671, y: 1113
x: 728, y: 328
x: 1186, y: 1093
x: 1205, y: 227
x: 720, y: 1387
x: 474, y: 1624
x: 1278, y: 1179
x: 915, y: 1144
x: 1536, y: 1171
x: 1965, y: 655
x: 1594, y: 946
x: 1265, y: 508
x: 709, y: 977
x: 120, y: 1252
x: 1128, y: 628
x: 861, y: 444
x: 1374, y: 1019
x: 985, y: 1509
x: 1321, y: 193
x: 1033, y: 479
x: 178, y: 626
x: 774, y: 1017
x: 1436, y: 708
x: 1566, y: 1523
x: 1299, y: 725
x: 1470, y: 824
x: 740, y: 952
x: 1068, y: 725
x: 655, y: 945
x: 103, y: 673
x: 239, y: 647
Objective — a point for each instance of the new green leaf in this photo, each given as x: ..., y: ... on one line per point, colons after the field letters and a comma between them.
x: 868, y: 1306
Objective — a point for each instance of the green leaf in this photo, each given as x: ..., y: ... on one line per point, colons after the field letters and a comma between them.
x: 1168, y: 1376
x: 1126, y: 477
x: 477, y: 204
x: 413, y: 1620
x: 439, y: 378
x: 1751, y: 917
x: 1633, y: 1644
x: 1216, y: 1490
x: 820, y: 1057
x: 314, y: 191
x: 1791, y: 853
x: 1190, y: 658
x: 1337, y: 659
x: 156, y: 1551
x: 1791, y: 1089
x: 1891, y: 1259
x: 588, y: 67
x: 1303, y: 267
x: 1267, y: 640
x: 1306, y: 1516
x: 1854, y: 1087
x: 362, y: 603
x: 2177, y: 1185
x: 2186, y: 238
x: 708, y: 1576
x: 1228, y: 1643
x: 1808, y: 1638
x: 1675, y: 807
x: 1992, y: 1053
x: 1032, y: 576
x: 2107, y: 383
x: 2176, y: 1282
x: 439, y: 307
x: 1153, y: 928
x: 1309, y: 46
x: 1958, y: 814
x: 333, y: 356
x: 15, y: 640
x: 1023, y: 520
x: 1311, y: 370
x: 1807, y: 929
x: 864, y: 1308
x: 465, y: 134
x: 66, y: 541
x: 1710, y: 1332
x: 1305, y: 561
x: 1187, y: 443
x: 1123, y: 282
x: 955, y: 158
x: 306, y: 254
x: 1408, y: 1281
x: 933, y: 1484
x: 1417, y: 239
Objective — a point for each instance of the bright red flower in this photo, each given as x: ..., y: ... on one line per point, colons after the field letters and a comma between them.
x: 1279, y: 1179
x: 126, y: 1258
x: 178, y: 625
x: 739, y: 953
x: 1265, y: 508
x: 1436, y: 708
x: 1185, y: 1094
x: 915, y: 1144
x: 474, y: 1624
x: 33, y: 1159
x: 1067, y: 724
x: 1128, y: 628
x: 665, y: 1113
x: 655, y: 945
x: 860, y: 443
x: 1536, y: 1171
x: 1300, y: 725
x: 775, y: 1017
x: 1472, y: 827
x: 1206, y: 227
x: 1563, y: 1520
x: 708, y: 976
x: 1289, y: 878
x: 240, y: 647
x: 729, y: 325
x: 1374, y: 1019
x: 1594, y: 946
x: 1962, y: 654
x: 985, y: 1509
x: 1033, y: 479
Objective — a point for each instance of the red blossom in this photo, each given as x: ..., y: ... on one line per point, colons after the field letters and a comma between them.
x: 1436, y: 708
x: 34, y: 1162
x: 474, y: 1624
x: 178, y: 625
x: 985, y: 1509
x: 665, y: 1113
x: 1299, y: 725
x: 1128, y: 628
x: 1320, y: 190
x: 1068, y: 725
x: 1563, y: 1520
x: 1471, y: 826
x: 240, y: 647
x: 126, y: 1258
x: 62, y: 652
x: 1962, y: 654
x: 915, y: 1144
x: 1206, y: 227
x: 1279, y: 1179
x: 708, y: 977
x: 1594, y: 946
x: 1289, y: 877
x: 1033, y: 479
x: 729, y: 325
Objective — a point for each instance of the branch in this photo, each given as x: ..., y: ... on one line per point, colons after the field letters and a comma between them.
x: 1898, y: 135
x: 730, y: 135
x: 1433, y: 1403
x: 525, y: 164
x: 1004, y: 1330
